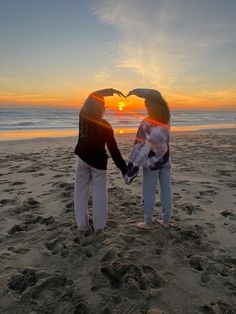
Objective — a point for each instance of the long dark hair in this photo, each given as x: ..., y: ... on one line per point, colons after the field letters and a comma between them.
x: 158, y: 110
x: 93, y: 108
x: 90, y: 116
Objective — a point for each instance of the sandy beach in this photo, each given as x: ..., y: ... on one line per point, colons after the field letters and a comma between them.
x: 46, y: 266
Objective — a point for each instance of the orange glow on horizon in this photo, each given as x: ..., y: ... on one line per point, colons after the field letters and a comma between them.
x: 207, y: 100
x: 30, y: 134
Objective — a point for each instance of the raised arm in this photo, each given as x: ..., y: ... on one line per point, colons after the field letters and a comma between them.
x: 147, y: 93
x: 108, y: 92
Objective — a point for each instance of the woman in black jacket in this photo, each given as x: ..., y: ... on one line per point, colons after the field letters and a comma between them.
x: 94, y: 133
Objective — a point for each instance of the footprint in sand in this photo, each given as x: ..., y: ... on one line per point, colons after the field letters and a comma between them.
x: 39, y: 219
x: 20, y: 282
x: 4, y: 181
x: 17, y: 183
x: 213, y: 269
x: 187, y: 182
x: 65, y: 186
x: 177, y: 196
x: 18, y: 228
x: 30, y: 169
x: 47, y: 293
x: 18, y: 250
x: 226, y: 173
x: 211, y: 227
x: 231, y: 184
x: 31, y: 202
x: 118, y: 273
x: 208, y: 192
x: 193, y: 234
x: 230, y: 226
x: 228, y: 213
x: 40, y: 174
x: 67, y: 189
x: 158, y: 251
x: 205, y: 182
x: 156, y: 280
x: 10, y: 191
x: 56, y: 246
x: 88, y: 252
x: 198, y: 263
x: 58, y: 176
x: 109, y: 255
x: 112, y: 223
x: 28, y: 204
x: 7, y: 202
x: 215, y: 308
x: 69, y: 206
x: 230, y: 287
x: 189, y: 208
x: 203, y: 200
x: 130, y: 277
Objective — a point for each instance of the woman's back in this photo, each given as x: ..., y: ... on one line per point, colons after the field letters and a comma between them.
x: 90, y: 147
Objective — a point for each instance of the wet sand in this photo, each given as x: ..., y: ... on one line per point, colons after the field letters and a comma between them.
x: 48, y: 267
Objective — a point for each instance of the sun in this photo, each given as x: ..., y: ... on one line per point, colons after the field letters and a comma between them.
x: 121, y: 105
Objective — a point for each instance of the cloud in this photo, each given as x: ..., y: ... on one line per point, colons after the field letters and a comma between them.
x: 102, y: 76
x: 6, y: 96
x: 163, y: 40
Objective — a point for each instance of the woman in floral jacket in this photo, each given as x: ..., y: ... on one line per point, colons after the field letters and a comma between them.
x: 151, y: 152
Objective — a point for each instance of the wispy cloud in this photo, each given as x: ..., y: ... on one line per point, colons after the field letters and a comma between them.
x: 102, y: 76
x: 164, y: 40
x: 5, y: 94
x: 27, y: 97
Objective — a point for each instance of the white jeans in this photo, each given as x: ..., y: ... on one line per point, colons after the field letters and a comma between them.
x: 84, y: 177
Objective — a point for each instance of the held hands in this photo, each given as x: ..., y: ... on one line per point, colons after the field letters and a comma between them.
x: 108, y: 92
x: 119, y: 93
x: 132, y: 172
x: 140, y: 92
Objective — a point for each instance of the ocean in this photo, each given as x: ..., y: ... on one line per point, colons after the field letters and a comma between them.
x: 13, y: 120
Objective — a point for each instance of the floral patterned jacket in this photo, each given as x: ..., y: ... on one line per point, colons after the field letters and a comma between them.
x: 151, y: 148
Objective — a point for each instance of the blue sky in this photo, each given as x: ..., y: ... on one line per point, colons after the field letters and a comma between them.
x: 57, y: 51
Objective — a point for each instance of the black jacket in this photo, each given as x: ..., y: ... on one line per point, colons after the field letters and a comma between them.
x: 91, y: 145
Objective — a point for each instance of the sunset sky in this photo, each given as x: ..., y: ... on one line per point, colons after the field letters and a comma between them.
x: 55, y: 52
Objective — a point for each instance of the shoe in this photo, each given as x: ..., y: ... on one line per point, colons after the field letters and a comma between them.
x: 163, y: 224
x: 85, y: 232
x: 143, y: 226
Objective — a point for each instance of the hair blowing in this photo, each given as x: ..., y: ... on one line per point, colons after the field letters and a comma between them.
x: 92, y: 109
x: 158, y: 111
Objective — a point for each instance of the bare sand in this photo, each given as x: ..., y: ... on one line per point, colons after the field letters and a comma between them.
x: 46, y: 266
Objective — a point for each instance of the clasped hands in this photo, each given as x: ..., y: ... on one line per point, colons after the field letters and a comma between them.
x: 112, y: 91
x: 119, y: 93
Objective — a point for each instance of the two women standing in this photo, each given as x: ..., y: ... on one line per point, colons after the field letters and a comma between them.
x: 150, y: 151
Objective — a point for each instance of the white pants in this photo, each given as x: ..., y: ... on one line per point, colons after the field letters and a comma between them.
x: 84, y: 177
